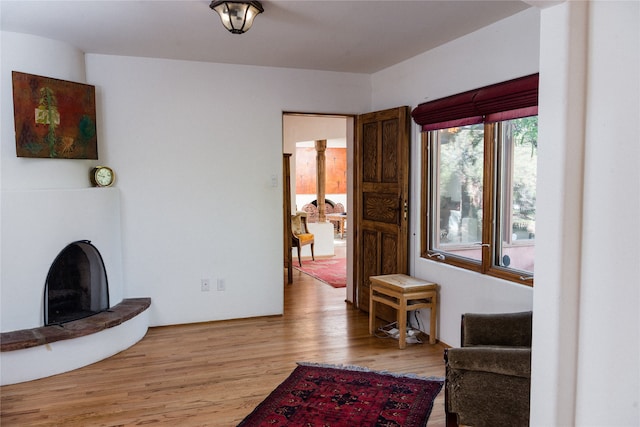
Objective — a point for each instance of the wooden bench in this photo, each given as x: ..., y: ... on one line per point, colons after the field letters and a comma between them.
x: 404, y: 293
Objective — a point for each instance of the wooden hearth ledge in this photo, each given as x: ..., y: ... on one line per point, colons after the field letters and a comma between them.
x: 26, y: 338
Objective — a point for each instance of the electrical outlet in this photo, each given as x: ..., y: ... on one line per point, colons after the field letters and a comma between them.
x: 205, y: 285
x: 221, y: 285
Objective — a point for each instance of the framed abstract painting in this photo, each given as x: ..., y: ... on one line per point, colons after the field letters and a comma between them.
x: 54, y: 118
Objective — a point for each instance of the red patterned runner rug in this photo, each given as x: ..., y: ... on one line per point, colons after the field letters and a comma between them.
x: 336, y: 396
x: 332, y: 271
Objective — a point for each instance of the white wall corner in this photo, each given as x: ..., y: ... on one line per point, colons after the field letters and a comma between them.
x: 563, y: 47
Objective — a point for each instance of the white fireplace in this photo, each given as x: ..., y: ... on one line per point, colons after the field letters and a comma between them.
x: 35, y: 226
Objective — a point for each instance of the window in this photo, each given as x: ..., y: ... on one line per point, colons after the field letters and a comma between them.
x: 457, y: 174
x: 517, y: 149
x: 479, y: 182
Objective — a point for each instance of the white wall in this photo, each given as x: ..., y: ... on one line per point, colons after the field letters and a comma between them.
x: 44, y: 57
x: 45, y: 203
x: 498, y: 52
x: 36, y: 226
x: 610, y: 291
x: 586, y: 328
x: 460, y: 65
x: 156, y: 113
x: 561, y: 156
x: 586, y: 325
x: 195, y: 147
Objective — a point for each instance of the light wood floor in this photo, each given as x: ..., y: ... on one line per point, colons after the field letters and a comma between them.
x: 214, y: 374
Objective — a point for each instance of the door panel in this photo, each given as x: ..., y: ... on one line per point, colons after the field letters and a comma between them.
x: 382, y: 208
x: 381, y: 178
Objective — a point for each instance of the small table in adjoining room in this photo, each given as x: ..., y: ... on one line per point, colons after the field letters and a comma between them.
x: 404, y: 293
x: 340, y: 219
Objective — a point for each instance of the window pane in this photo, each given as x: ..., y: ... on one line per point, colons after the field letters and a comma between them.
x: 518, y: 147
x: 458, y: 194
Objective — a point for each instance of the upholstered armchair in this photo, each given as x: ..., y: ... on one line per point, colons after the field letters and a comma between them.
x: 300, y: 235
x: 488, y: 379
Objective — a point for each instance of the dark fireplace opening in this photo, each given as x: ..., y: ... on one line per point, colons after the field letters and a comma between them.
x: 76, y: 285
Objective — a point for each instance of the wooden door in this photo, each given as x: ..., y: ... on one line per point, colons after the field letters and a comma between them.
x: 286, y: 214
x: 381, y: 197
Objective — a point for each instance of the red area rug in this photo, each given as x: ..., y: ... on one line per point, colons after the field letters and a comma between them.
x: 333, y: 396
x: 332, y: 271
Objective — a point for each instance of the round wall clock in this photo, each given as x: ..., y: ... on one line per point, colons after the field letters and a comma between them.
x: 102, y: 176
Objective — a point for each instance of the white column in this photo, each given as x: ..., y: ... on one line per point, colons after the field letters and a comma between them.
x: 562, y: 98
x: 586, y: 330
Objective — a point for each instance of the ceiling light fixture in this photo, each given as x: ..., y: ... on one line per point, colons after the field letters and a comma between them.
x: 237, y: 16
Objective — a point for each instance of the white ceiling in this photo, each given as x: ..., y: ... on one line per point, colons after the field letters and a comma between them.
x: 361, y: 36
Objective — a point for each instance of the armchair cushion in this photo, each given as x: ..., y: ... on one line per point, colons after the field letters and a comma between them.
x: 481, y: 399
x: 506, y: 329
x: 514, y: 361
x: 488, y: 379
x: 305, y: 238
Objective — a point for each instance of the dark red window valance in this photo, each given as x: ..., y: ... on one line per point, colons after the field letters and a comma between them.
x: 502, y: 101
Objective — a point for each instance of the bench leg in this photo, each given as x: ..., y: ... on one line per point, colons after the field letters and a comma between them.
x: 402, y: 323
x: 372, y: 313
x: 432, y: 329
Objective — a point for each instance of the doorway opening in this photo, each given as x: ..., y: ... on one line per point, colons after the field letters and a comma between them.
x: 301, y: 131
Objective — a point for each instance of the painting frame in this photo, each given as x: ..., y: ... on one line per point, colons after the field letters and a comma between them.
x: 54, y: 118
